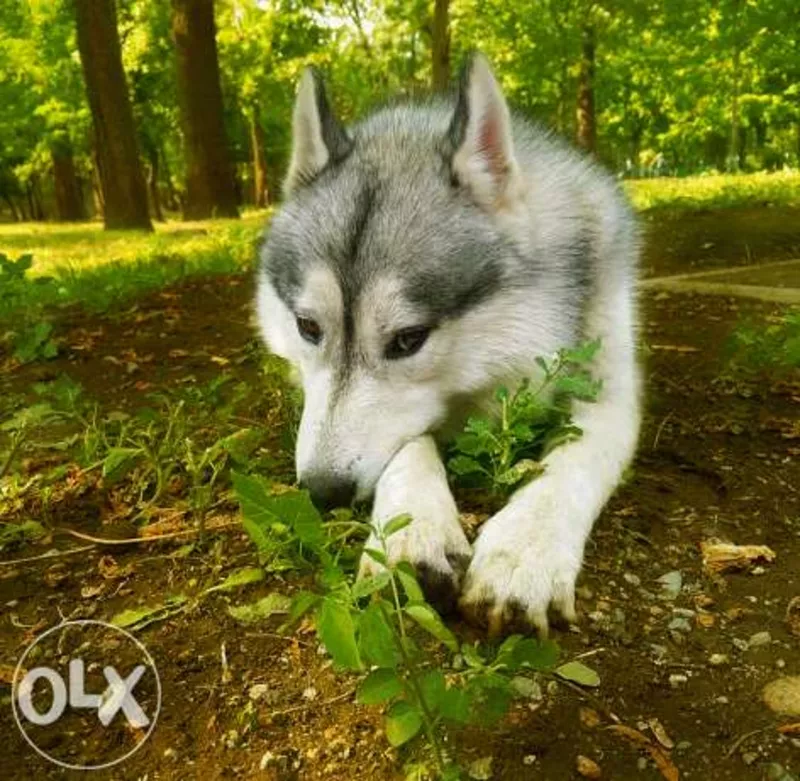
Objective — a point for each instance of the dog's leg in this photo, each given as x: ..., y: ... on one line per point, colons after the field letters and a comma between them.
x: 414, y: 482
x: 529, y: 554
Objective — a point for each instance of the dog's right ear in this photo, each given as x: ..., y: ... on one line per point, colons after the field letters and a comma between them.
x: 480, y: 137
x: 318, y: 138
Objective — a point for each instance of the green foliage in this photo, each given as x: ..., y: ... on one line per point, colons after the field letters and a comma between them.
x: 35, y: 343
x: 715, y: 191
x: 775, y: 347
x: 101, y: 269
x: 505, y: 451
x: 381, y: 628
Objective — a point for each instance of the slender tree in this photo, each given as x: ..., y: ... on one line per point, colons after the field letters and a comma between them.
x: 440, y: 44
x: 120, y: 169
x: 210, y: 187
x: 68, y: 191
x: 586, y: 133
x: 258, y: 149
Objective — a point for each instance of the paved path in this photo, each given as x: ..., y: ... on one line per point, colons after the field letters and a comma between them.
x: 778, y: 282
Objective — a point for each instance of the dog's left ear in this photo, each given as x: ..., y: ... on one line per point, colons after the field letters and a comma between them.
x: 480, y: 134
x: 317, y: 136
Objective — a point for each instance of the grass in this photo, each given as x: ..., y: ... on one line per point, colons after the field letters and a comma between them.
x: 84, y: 264
x: 715, y: 191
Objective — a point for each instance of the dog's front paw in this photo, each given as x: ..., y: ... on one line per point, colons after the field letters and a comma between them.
x: 439, y: 552
x: 518, y: 570
x: 415, y: 483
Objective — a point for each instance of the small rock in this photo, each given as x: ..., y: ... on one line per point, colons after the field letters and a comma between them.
x: 680, y: 624
x: 776, y: 772
x: 587, y: 768
x: 749, y: 757
x: 717, y: 660
x: 783, y: 695
x: 589, y: 717
x: 793, y: 615
x: 310, y: 694
x: 742, y: 645
x: 677, y: 679
x: 759, y: 639
x: 257, y: 691
x: 529, y: 759
x: 584, y: 592
x: 481, y: 769
x: 671, y: 584
x: 634, y: 580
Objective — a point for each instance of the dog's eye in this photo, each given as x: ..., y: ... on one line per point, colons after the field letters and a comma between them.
x: 407, y: 342
x: 309, y: 329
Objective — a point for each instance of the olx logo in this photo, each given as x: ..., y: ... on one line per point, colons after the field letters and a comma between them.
x: 80, y: 689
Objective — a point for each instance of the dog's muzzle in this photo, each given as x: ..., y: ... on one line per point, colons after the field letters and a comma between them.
x: 328, y: 493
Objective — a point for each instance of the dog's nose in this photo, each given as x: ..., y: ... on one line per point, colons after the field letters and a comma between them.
x: 328, y: 493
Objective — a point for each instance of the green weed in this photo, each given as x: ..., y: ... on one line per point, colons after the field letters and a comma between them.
x: 382, y: 628
x: 775, y: 346
x: 504, y: 451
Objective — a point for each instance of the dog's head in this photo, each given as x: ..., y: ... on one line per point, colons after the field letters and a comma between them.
x: 385, y: 274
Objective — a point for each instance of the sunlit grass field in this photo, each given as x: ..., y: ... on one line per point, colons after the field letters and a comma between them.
x: 84, y: 246
x: 86, y: 264
x: 715, y: 191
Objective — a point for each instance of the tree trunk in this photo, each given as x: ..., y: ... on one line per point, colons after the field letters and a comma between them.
x: 152, y: 181
x: 257, y: 145
x: 69, y: 195
x: 440, y: 44
x: 210, y: 190
x: 173, y: 202
x: 121, y: 177
x: 12, y: 207
x: 586, y: 136
x: 733, y: 162
x: 34, y: 200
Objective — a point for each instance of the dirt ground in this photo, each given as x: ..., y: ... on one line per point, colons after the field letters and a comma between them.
x: 718, y: 458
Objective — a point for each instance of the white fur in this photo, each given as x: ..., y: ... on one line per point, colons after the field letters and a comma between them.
x: 309, y: 153
x: 435, y: 531
x: 374, y: 426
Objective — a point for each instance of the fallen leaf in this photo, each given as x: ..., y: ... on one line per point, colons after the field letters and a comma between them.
x: 783, y: 695
x: 719, y: 557
x: 7, y: 673
x: 793, y: 615
x: 790, y: 729
x: 577, y: 672
x: 675, y: 348
x: 663, y: 762
x: 589, y: 717
x: 705, y: 620
x: 587, y: 768
x: 657, y: 728
x: 263, y: 608
x: 88, y: 592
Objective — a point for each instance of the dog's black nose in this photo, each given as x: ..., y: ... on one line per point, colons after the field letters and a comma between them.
x: 328, y: 493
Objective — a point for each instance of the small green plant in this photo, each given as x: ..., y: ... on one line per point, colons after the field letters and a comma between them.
x: 382, y: 628
x: 34, y: 342
x: 772, y: 347
x: 503, y: 451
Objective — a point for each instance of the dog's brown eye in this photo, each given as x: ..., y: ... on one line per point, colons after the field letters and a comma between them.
x: 309, y: 329
x: 407, y: 342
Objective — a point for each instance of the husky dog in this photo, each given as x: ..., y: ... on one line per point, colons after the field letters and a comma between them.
x: 423, y: 257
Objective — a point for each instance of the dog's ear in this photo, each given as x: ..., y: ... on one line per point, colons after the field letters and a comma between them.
x: 317, y: 136
x: 480, y: 137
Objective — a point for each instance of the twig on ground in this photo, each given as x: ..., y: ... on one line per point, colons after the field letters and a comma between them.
x: 135, y: 540
x: 55, y: 554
